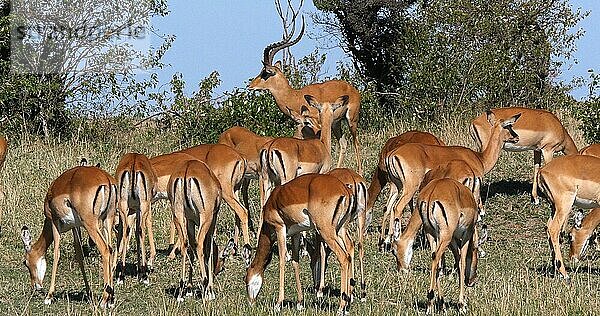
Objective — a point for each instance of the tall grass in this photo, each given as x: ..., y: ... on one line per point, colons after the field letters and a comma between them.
x: 514, y: 278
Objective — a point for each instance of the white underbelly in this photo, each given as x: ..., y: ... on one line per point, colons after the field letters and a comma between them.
x: 304, y: 224
x: 68, y: 222
x: 516, y: 147
x: 585, y: 203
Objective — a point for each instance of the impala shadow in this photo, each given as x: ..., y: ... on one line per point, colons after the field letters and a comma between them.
x: 506, y: 187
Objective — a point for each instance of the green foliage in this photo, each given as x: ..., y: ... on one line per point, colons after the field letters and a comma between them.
x: 588, y: 111
x: 201, y: 118
x: 425, y: 58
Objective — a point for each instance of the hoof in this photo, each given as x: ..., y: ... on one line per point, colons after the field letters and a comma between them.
x: 462, y: 308
x: 209, y: 295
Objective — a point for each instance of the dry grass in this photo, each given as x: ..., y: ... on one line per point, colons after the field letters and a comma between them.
x: 515, y: 277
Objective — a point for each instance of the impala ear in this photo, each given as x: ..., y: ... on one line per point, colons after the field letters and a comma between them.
x: 511, y: 120
x: 83, y: 162
x: 311, y: 101
x: 304, y: 110
x: 491, y: 117
x: 341, y: 101
x: 278, y: 65
x: 26, y: 238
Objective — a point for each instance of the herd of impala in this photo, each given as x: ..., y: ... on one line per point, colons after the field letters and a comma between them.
x: 299, y: 192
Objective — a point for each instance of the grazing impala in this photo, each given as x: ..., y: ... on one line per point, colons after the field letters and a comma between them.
x: 538, y: 130
x: 291, y: 101
x: 81, y: 196
x: 136, y: 188
x: 567, y: 181
x: 227, y: 165
x: 195, y: 194
x: 286, y: 158
x: 449, y: 212
x: 408, y: 164
x: 380, y: 175
x: 312, y: 201
x: 248, y: 144
x: 403, y: 243
x: 583, y: 232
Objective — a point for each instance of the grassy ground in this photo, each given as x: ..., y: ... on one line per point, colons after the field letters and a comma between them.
x: 514, y: 278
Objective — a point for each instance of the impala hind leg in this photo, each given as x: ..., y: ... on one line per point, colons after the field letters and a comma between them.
x: 108, y: 296
x: 537, y: 161
x: 554, y: 227
x: 392, y: 200
x: 442, y: 245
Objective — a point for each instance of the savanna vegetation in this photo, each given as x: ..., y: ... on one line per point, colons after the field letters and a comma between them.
x: 418, y: 65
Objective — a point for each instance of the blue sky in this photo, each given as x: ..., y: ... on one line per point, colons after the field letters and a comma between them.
x: 229, y: 36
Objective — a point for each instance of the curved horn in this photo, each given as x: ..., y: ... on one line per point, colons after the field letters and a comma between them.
x: 272, y: 49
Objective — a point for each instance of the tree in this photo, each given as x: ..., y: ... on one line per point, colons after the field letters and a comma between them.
x: 75, y: 57
x: 427, y: 56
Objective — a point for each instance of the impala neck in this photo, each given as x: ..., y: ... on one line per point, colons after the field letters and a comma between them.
x: 326, y: 121
x: 39, y: 248
x: 490, y: 154
x: 285, y: 95
x: 263, y: 251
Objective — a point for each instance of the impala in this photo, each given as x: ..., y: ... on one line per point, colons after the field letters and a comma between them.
x: 291, y: 101
x: 459, y: 171
x: 248, y: 144
x: 538, y: 130
x: 380, y: 175
x: 567, y: 181
x: 227, y: 165
x: 286, y: 158
x: 408, y: 164
x: 358, y: 187
x: 312, y: 201
x: 81, y: 196
x: 136, y: 188
x: 591, y: 150
x: 449, y: 211
x: 195, y: 194
x: 583, y: 231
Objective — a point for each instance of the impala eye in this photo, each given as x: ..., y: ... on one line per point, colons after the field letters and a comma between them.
x: 266, y: 74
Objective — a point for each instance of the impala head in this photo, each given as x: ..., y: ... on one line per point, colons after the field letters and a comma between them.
x: 271, y: 75
x: 324, y: 108
x: 254, y: 281
x: 508, y: 134
x: 579, y: 242
x: 402, y: 249
x: 35, y: 264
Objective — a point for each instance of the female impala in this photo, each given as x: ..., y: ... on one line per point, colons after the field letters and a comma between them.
x: 538, y: 130
x: 449, y: 212
x: 582, y: 232
x: 291, y: 101
x: 81, y: 196
x: 408, y: 164
x: 310, y: 201
x: 195, y: 194
x: 227, y: 165
x: 248, y: 144
x: 286, y: 158
x: 136, y: 189
x: 380, y: 175
x: 402, y: 249
x: 567, y: 181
